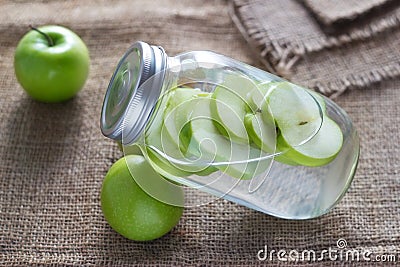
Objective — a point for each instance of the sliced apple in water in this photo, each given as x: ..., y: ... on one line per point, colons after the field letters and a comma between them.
x: 155, y: 145
x: 319, y: 150
x: 261, y: 132
x: 297, y: 115
x: 179, y: 95
x: 306, y: 135
x: 176, y: 112
x: 258, y: 95
x: 174, y: 123
x: 167, y: 168
x: 319, y: 98
x: 230, y: 106
x: 259, y: 122
x: 207, y: 143
x: 159, y: 147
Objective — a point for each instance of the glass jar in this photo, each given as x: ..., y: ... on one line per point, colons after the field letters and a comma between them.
x: 210, y: 123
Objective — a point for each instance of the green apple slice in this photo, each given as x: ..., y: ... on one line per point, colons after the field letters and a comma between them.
x: 297, y: 114
x: 260, y: 124
x: 179, y: 95
x: 229, y: 109
x: 172, y: 150
x: 230, y: 106
x: 206, y: 142
x: 258, y: 95
x: 175, y: 115
x: 307, y: 136
x: 261, y: 132
x: 319, y: 150
x: 157, y: 138
x: 131, y: 149
x: 319, y: 98
x: 154, y: 139
x: 238, y: 83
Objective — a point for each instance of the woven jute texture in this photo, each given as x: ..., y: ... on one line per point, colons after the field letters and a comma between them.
x: 332, y: 13
x: 53, y: 158
x: 290, y: 42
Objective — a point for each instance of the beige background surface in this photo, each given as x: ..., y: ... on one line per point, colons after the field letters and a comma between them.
x: 53, y: 157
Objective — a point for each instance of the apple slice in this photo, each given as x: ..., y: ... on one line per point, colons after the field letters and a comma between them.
x: 261, y: 132
x: 306, y: 135
x: 258, y: 95
x: 179, y: 95
x: 158, y: 138
x: 319, y: 150
x: 154, y: 139
x: 297, y: 114
x: 230, y: 106
x: 319, y: 98
x: 177, y: 108
x: 161, y: 141
x: 205, y: 141
x: 260, y: 124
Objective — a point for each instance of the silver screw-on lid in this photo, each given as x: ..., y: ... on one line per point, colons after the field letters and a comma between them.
x: 125, y: 91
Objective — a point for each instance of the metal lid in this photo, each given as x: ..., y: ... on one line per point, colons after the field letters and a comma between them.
x: 126, y: 91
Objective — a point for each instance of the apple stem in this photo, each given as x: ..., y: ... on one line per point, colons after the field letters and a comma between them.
x: 49, y: 40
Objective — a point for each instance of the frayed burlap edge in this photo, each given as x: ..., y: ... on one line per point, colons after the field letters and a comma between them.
x: 358, y: 81
x: 332, y: 22
x: 281, y: 56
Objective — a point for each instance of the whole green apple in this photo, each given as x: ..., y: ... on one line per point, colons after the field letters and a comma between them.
x: 51, y: 63
x: 131, y: 211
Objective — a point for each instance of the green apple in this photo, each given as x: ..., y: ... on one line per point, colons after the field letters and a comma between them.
x: 51, y: 63
x: 206, y: 141
x: 129, y: 210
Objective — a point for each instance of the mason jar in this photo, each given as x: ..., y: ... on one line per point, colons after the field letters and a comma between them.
x: 209, y: 123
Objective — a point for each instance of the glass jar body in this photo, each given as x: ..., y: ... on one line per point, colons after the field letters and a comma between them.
x: 275, y: 186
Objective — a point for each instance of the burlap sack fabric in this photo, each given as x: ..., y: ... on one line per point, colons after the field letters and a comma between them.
x: 331, y: 13
x: 292, y: 43
x: 54, y: 158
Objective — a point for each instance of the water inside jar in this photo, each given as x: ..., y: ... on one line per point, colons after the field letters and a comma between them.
x: 213, y: 123
x: 224, y: 120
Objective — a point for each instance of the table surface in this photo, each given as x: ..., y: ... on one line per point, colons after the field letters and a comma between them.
x: 54, y: 157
